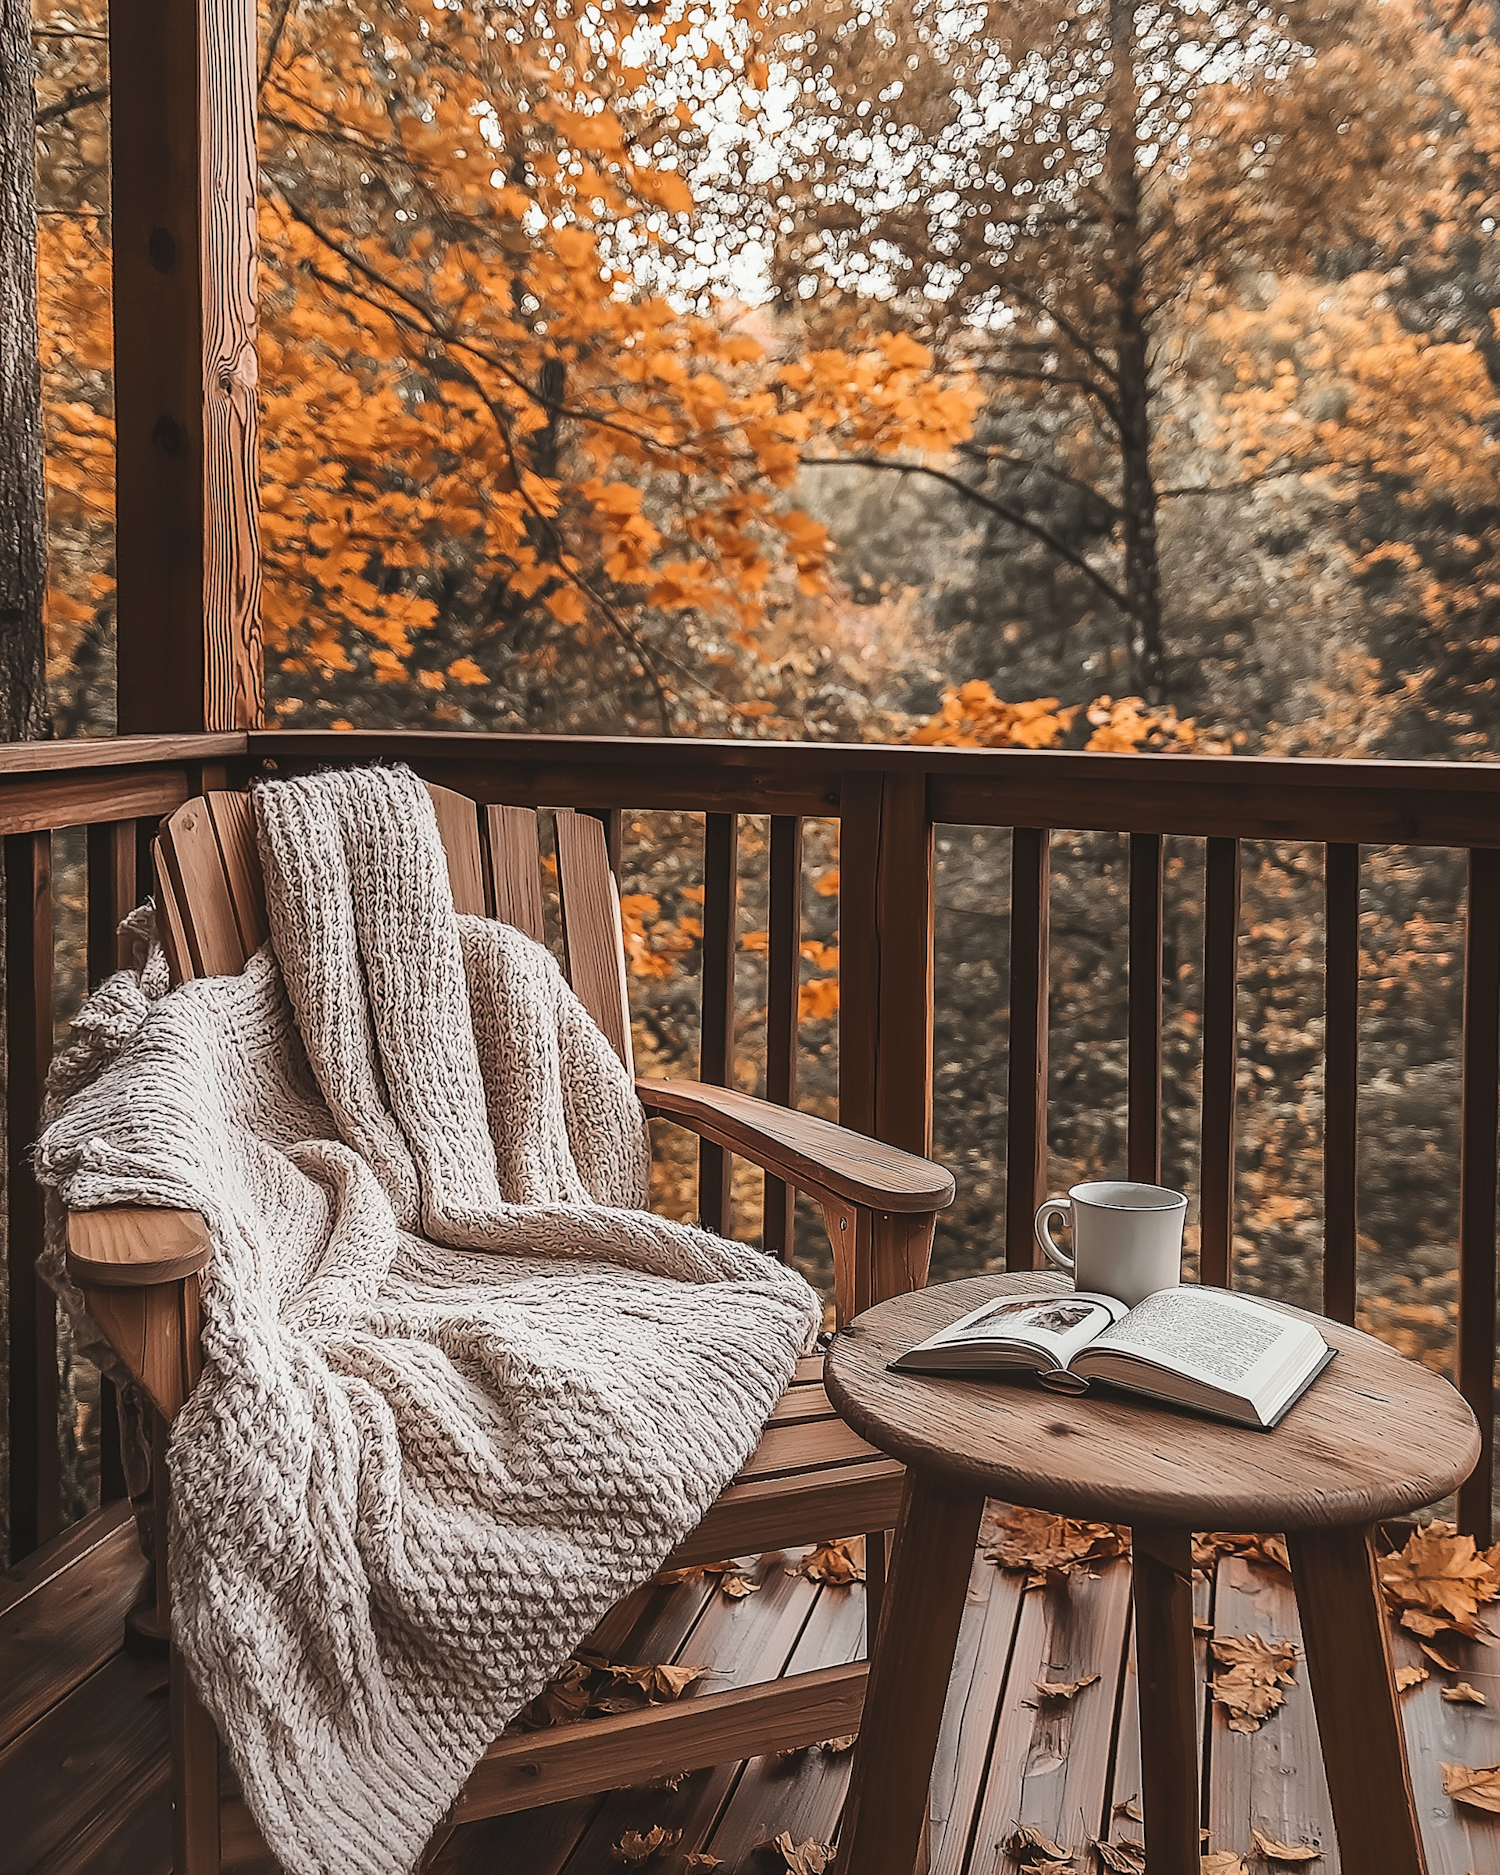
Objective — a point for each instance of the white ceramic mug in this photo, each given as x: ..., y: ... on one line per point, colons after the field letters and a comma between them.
x: 1127, y: 1239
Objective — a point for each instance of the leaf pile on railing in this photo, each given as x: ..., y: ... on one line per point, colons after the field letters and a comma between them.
x: 1437, y: 1583
x: 1045, y: 1547
x: 587, y: 1686
x: 1257, y: 1670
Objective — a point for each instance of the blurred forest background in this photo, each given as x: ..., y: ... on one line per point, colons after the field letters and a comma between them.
x: 1047, y: 373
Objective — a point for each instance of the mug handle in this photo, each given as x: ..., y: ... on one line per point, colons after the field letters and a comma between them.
x: 1054, y: 1207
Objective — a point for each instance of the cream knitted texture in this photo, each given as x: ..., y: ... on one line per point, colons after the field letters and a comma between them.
x: 460, y: 1391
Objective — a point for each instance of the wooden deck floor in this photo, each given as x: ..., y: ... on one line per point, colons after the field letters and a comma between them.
x: 83, y: 1730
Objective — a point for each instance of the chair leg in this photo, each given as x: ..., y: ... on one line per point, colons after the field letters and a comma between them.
x: 1162, y: 1561
x: 195, y: 1779
x: 1350, y: 1670
x: 923, y: 1604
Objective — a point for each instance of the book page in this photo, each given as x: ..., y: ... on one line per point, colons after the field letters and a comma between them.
x: 1057, y: 1326
x: 1201, y: 1332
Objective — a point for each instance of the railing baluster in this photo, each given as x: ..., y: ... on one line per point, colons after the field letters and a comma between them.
x: 903, y: 915
x: 1477, y: 1177
x: 783, y: 978
x: 35, y: 1501
x: 1143, y: 1150
x: 1026, y: 1123
x: 716, y: 1035
x: 112, y: 892
x: 1340, y: 1081
x: 1221, y: 947
x: 861, y: 795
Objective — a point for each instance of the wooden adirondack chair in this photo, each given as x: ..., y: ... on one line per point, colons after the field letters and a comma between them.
x: 810, y: 1477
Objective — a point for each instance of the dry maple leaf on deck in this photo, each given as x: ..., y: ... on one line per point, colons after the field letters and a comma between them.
x: 639, y: 1846
x: 1029, y: 1845
x: 836, y: 1747
x: 1408, y: 1677
x: 800, y: 1858
x: 1464, y: 1695
x: 1121, y: 1858
x: 1043, y: 1545
x: 1260, y: 1546
x: 698, y: 1860
x: 1223, y: 1862
x: 1276, y: 1851
x: 1480, y: 1789
x: 589, y: 1685
x: 732, y: 1579
x: 1062, y: 1689
x: 1250, y: 1690
x: 837, y: 1563
x: 1438, y: 1582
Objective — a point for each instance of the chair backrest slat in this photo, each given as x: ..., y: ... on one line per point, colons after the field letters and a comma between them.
x: 515, y: 869
x: 593, y: 939
x: 211, y: 895
x: 458, y: 824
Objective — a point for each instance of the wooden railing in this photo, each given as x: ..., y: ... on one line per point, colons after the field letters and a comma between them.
x: 887, y: 801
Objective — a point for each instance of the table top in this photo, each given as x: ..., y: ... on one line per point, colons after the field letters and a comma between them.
x: 1374, y: 1436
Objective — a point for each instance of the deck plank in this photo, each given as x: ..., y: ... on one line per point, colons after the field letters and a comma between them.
x: 1438, y: 1732
x: 1271, y: 1779
x: 78, y: 1756
x: 986, y: 1635
x: 1051, y: 1758
x: 745, y: 1641
x: 67, y: 1626
x: 802, y: 1793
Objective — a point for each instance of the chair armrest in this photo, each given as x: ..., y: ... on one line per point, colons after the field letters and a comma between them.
x: 803, y: 1150
x: 132, y: 1246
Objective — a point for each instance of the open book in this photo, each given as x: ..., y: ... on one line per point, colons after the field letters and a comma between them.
x: 1201, y: 1348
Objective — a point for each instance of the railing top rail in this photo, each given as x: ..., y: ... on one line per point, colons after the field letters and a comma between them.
x: 1424, y: 803
x: 91, y: 752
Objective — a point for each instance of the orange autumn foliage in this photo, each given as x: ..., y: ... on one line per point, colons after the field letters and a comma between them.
x: 484, y: 434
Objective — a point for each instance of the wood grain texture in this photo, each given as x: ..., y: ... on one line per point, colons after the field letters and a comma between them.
x: 885, y: 1817
x: 111, y: 894
x: 458, y: 828
x: 592, y: 935
x: 1026, y: 1122
x: 1051, y: 1756
x: 515, y: 869
x: 1340, y: 1081
x: 1477, y: 1176
x: 716, y: 1007
x: 811, y: 1153
x: 68, y: 1627
x: 182, y: 182
x: 1271, y: 1779
x: 91, y: 753
x: 1457, y: 1840
x: 35, y: 803
x: 1125, y: 1785
x: 904, y: 912
x: 861, y: 796
x: 1374, y: 1436
x: 190, y: 863
x: 1347, y: 1638
x: 803, y: 1507
x: 233, y: 821
x: 35, y: 1504
x: 146, y: 1328
x: 195, y: 1778
x: 128, y: 1245
x: 628, y: 1748
x: 1221, y: 942
x: 1162, y: 1565
x: 783, y: 982
x: 1143, y: 1127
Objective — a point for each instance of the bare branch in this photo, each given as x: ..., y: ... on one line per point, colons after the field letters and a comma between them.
x: 75, y: 100
x: 998, y: 508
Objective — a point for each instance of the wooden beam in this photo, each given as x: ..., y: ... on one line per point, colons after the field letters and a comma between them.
x: 182, y: 182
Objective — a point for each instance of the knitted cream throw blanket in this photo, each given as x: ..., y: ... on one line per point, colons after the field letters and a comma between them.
x: 461, y: 1392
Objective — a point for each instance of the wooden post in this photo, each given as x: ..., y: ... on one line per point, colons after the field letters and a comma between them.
x: 182, y: 180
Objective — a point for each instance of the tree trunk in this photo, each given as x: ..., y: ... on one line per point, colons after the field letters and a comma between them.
x: 23, y: 517
x: 23, y: 536
x: 1138, y: 497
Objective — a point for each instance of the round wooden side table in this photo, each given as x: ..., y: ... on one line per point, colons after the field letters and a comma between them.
x: 1375, y: 1436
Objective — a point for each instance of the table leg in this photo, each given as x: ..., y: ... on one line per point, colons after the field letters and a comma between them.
x: 1162, y: 1561
x: 1349, y: 1666
x: 923, y: 1605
